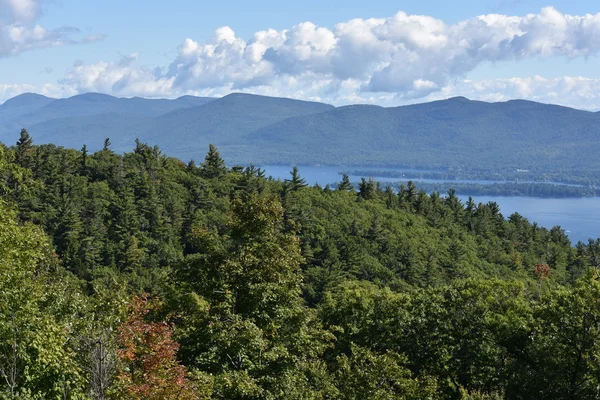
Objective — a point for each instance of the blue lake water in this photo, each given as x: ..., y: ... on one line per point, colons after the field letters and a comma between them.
x: 580, y: 217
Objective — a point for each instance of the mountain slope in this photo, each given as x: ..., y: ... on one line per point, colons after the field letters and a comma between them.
x: 186, y: 133
x: 86, y: 118
x: 451, y: 133
x: 23, y: 104
x: 13, y: 109
x: 97, y: 104
x: 73, y: 132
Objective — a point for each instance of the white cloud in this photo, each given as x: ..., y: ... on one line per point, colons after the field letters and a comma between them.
x: 22, y: 11
x: 19, y: 31
x: 409, y: 56
x: 572, y: 91
x: 8, y: 91
x: 396, y: 60
x: 122, y: 78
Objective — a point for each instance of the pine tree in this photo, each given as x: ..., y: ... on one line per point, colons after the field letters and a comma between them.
x: 367, y: 189
x: 345, y: 183
x: 213, y: 165
x: 107, y: 144
x: 84, y: 155
x: 296, y: 182
x: 191, y: 166
x: 24, y: 148
x: 411, y: 192
x: 391, y: 199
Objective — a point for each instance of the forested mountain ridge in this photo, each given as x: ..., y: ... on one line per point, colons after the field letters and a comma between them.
x: 86, y: 117
x: 455, y: 134
x: 275, y: 290
x: 225, y: 121
x: 185, y: 126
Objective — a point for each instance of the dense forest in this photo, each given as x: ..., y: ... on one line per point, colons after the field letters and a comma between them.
x: 140, y: 276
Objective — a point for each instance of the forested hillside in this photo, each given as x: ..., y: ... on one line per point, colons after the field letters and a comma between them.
x: 469, y: 139
x: 452, y: 133
x: 140, y: 276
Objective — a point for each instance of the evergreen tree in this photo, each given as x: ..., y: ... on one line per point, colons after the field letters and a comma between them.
x: 411, y: 192
x: 23, y: 153
x: 84, y: 160
x: 296, y: 182
x: 367, y: 189
x: 345, y: 184
x: 390, y: 198
x: 213, y: 165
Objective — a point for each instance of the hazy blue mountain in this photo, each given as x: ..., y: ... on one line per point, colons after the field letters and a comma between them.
x: 182, y: 127
x: 18, y: 106
x: 456, y: 132
x: 86, y: 118
x: 97, y: 104
x: 23, y: 104
x: 187, y: 132
x: 73, y: 132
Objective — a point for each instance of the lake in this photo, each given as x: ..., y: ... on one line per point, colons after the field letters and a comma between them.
x: 579, y: 217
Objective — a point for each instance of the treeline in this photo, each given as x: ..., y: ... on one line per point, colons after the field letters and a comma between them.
x: 139, y: 276
x: 570, y: 177
x: 544, y: 190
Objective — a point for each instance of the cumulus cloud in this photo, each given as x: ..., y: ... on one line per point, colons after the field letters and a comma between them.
x: 572, y: 91
x: 19, y: 31
x: 396, y: 60
x: 8, y: 91
x: 403, y: 57
x: 122, y: 78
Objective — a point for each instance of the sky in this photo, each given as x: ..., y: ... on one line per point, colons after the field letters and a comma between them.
x: 340, y: 52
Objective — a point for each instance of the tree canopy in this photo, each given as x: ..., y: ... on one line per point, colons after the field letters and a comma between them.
x: 141, y: 276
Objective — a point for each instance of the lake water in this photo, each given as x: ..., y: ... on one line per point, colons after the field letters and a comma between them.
x: 580, y: 217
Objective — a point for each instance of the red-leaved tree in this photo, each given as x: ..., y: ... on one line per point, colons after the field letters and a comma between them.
x: 149, y: 368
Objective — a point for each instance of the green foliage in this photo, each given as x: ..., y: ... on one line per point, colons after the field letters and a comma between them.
x: 296, y: 182
x: 345, y: 183
x: 213, y: 165
x: 37, y: 356
x: 366, y: 375
x: 23, y: 153
x: 277, y: 290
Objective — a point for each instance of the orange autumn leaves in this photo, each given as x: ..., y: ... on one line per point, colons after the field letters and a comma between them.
x: 149, y: 368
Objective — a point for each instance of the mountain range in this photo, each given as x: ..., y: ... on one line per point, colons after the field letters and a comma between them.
x: 452, y: 133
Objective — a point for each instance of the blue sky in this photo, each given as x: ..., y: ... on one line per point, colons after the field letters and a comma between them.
x: 433, y: 49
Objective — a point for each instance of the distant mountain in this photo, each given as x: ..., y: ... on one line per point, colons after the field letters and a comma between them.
x: 73, y: 132
x: 226, y: 122
x: 18, y: 106
x: 455, y: 133
x: 85, y: 118
x: 451, y: 133
x: 97, y: 104
x: 24, y: 103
